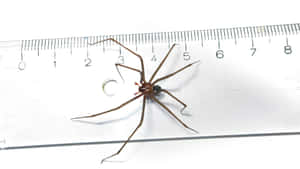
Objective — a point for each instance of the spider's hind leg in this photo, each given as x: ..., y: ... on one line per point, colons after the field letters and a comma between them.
x: 178, y: 100
x: 166, y: 108
x: 114, y: 109
x: 135, y: 130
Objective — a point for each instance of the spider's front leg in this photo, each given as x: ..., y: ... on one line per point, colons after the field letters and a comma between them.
x: 127, y: 67
x: 131, y: 51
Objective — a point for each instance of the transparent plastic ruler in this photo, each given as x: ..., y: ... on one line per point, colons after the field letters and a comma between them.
x: 247, y: 83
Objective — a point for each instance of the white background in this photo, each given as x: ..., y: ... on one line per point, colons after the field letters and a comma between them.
x: 39, y: 19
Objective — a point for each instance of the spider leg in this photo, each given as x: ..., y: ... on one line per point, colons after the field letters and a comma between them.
x: 166, y: 108
x: 174, y: 73
x: 120, y: 44
x: 127, y: 67
x: 138, y: 126
x: 113, y: 109
x: 161, y: 63
x: 174, y: 97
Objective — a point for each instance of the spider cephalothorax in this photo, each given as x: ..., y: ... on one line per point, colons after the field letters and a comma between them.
x: 148, y: 89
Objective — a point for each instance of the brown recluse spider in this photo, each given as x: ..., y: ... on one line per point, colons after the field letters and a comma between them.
x: 148, y: 89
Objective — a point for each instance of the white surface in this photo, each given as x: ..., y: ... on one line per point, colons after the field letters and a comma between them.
x: 39, y: 19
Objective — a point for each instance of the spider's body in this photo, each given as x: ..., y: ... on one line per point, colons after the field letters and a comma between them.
x: 147, y: 89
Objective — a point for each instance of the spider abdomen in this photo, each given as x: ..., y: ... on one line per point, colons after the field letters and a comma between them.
x: 156, y: 89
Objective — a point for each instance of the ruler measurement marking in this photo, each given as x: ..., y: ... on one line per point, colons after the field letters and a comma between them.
x: 246, y: 35
x: 268, y: 32
x: 66, y: 43
x: 243, y: 32
x: 79, y: 42
x: 49, y: 44
x: 281, y: 30
x: 289, y: 29
x: 196, y: 35
x: 185, y: 44
x: 211, y: 32
x: 227, y: 33
x: 256, y: 33
x: 191, y: 36
x: 42, y: 44
x: 260, y: 31
x: 158, y: 36
x: 233, y: 35
x: 237, y: 33
x: 220, y: 32
x: 35, y: 45
x: 252, y: 39
x: 27, y: 45
x: 172, y: 37
x: 285, y: 30
x: 165, y: 37
x: 277, y: 31
x: 206, y: 35
x: 75, y: 42
x: 151, y: 37
x: 264, y: 31
x: 185, y: 36
x: 216, y: 34
x: 293, y: 30
x: 22, y: 49
x: 60, y: 43
x: 201, y: 34
x: 148, y: 38
x: 56, y: 43
x: 273, y: 30
x: 38, y: 48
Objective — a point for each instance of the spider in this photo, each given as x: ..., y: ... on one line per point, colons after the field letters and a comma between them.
x: 147, y: 89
